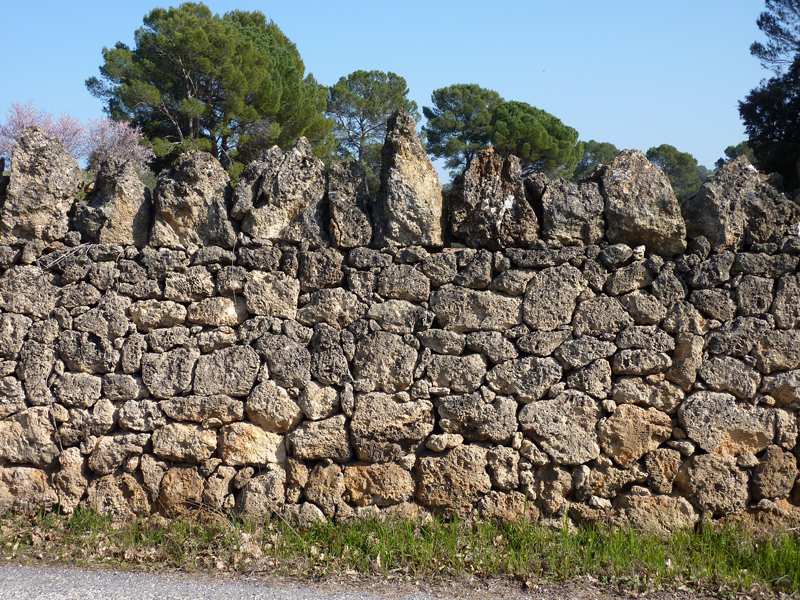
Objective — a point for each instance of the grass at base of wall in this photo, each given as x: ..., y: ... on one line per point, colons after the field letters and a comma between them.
x: 710, y: 560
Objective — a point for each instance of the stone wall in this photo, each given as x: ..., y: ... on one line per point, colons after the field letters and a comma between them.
x: 533, y: 349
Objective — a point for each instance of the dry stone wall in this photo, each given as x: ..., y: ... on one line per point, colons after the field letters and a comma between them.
x: 534, y: 350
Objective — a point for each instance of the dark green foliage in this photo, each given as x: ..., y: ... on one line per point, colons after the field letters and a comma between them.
x: 734, y: 152
x: 542, y: 142
x: 781, y: 24
x: 594, y: 153
x: 195, y: 80
x: 360, y: 105
x: 459, y: 123
x: 680, y: 167
x: 771, y: 116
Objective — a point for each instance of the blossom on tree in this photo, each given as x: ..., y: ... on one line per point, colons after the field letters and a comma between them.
x: 115, y: 139
x: 20, y: 116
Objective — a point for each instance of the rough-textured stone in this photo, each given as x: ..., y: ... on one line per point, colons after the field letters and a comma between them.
x: 289, y: 363
x: 600, y: 315
x: 784, y: 387
x: 78, y: 389
x: 113, y: 451
x: 318, y: 402
x: 28, y: 290
x: 663, y: 395
x: 714, y: 484
x: 726, y: 374
x: 141, y: 415
x: 191, y: 204
x: 640, y: 206
x: 202, y: 409
x: 399, y: 316
x: 477, y: 420
x: 452, y: 483
x: 459, y: 309
x: 737, y: 205
x: 349, y: 202
x: 403, y: 282
x: 775, y: 474
x: 594, y: 379
x: 169, y: 374
x: 242, y: 444
x: 384, y: 429
x: 319, y: 440
x: 528, y: 378
x: 572, y: 213
x: 489, y: 207
x: 28, y: 437
x: 271, y: 294
x: 13, y: 329
x: 384, y: 362
x: 785, y: 307
x: 325, y: 487
x: 262, y: 495
x: 552, y: 485
x: 118, y: 210
x: 409, y: 207
x: 551, y: 297
x: 44, y: 179
x: 777, y: 351
x: 12, y: 396
x: 564, y: 426
x: 662, y: 515
x: 230, y: 371
x: 336, y: 307
x: 630, y: 432
x: 280, y: 196
x: 183, y: 442
x: 461, y: 374
x: 662, y: 468
x: 717, y: 424
x: 120, y: 497
x: 640, y: 362
x: 218, y: 312
x: 577, y: 353
x: 378, y: 485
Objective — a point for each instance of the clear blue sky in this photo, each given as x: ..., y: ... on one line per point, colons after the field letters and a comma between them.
x: 634, y: 73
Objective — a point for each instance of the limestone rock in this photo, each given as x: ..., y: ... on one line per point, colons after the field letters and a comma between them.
x: 442, y: 341
x: 718, y: 425
x: 461, y: 374
x: 71, y: 480
x: 262, y: 495
x: 399, y: 316
x: 511, y: 507
x: 121, y: 497
x: 44, y: 180
x: 604, y: 482
x: 230, y: 371
x: 493, y: 345
x: 349, y: 205
x: 320, y: 269
x: 184, y: 442
x: 12, y: 396
x: 551, y: 297
x: 714, y: 484
x: 118, y: 210
x: 28, y: 437
x: 640, y: 362
x: 564, y: 426
x: 26, y: 490
x: 403, y: 282
x: 113, y: 451
x: 385, y: 362
x: 775, y: 474
x: 600, y: 315
x: 640, y: 206
x: 778, y: 351
x: 408, y: 211
x: 141, y: 415
x: 169, y: 374
x: 242, y: 444
x: 337, y: 307
x: 289, y: 363
x: 573, y: 213
x: 384, y: 429
x: 191, y: 204
x: 662, y: 515
x: 317, y: 401
x: 577, y: 353
x: 727, y: 374
x: 319, y: 440
x: 218, y: 312
x: 218, y: 487
x: 737, y: 205
x: 28, y: 290
x: 453, y: 482
x: 378, y: 484
x: 203, y: 408
x: 551, y: 485
x: 325, y: 487
x: 630, y: 432
x: 663, y: 395
x: 271, y: 294
x: 181, y: 488
x: 489, y: 206
x: 281, y: 196
x: 784, y: 387
x: 152, y: 314
x: 13, y: 329
x: 477, y: 420
x: 528, y: 378
x: 687, y: 358
x: 459, y: 309
x: 662, y: 468
x: 594, y: 379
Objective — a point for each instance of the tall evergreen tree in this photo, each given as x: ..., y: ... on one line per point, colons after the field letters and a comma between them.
x: 594, y: 153
x: 198, y: 80
x: 681, y: 169
x: 781, y: 24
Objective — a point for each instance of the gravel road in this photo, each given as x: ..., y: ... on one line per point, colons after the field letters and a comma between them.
x: 48, y: 583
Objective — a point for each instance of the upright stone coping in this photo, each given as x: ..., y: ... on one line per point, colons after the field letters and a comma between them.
x: 285, y: 375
